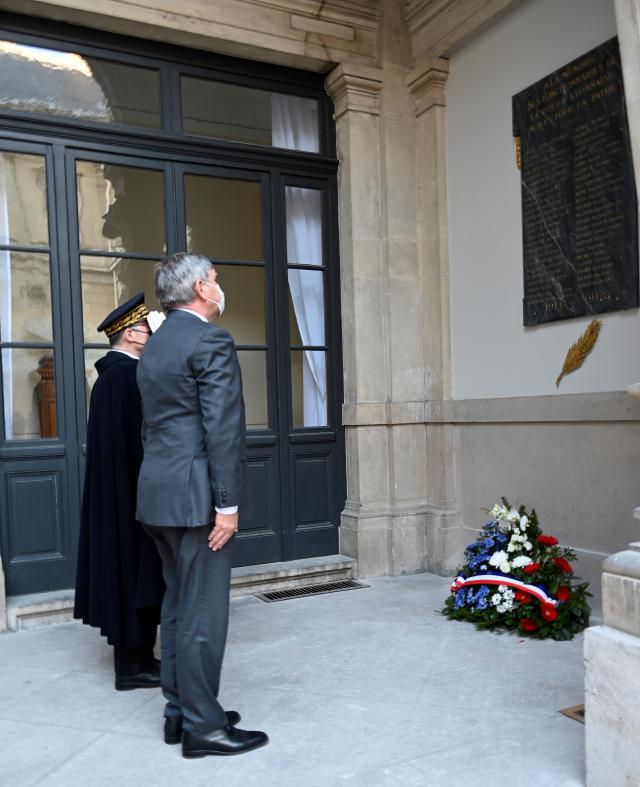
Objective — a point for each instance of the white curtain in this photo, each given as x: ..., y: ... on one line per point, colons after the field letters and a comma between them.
x: 308, y: 304
x: 294, y: 123
x: 5, y: 299
x: 296, y: 128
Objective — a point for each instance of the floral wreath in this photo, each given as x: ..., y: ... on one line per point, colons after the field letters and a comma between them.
x: 517, y: 577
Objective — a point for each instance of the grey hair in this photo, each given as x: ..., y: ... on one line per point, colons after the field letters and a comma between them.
x: 176, y: 278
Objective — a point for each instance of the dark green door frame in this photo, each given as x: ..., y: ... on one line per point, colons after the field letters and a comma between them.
x: 297, y: 475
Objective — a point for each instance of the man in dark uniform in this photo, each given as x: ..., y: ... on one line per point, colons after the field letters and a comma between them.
x: 119, y: 585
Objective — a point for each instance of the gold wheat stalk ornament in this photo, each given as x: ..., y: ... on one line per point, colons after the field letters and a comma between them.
x: 578, y: 352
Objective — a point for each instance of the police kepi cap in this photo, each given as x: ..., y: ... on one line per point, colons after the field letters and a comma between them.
x: 125, y: 315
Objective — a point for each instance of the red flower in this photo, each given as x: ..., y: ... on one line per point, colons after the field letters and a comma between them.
x: 548, y: 612
x: 548, y: 541
x: 531, y: 568
x: 527, y: 625
x: 522, y: 597
x: 563, y: 565
x: 563, y: 593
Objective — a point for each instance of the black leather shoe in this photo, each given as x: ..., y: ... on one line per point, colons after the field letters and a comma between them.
x: 173, y: 726
x: 141, y: 680
x: 227, y: 740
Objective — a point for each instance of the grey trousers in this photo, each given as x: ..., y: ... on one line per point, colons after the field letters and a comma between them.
x: 193, y: 624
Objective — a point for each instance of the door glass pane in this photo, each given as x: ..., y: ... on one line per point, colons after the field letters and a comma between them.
x: 306, y: 307
x: 224, y: 218
x: 109, y: 281
x: 25, y: 297
x: 244, y: 114
x: 253, y: 364
x: 23, y: 199
x: 309, y: 388
x: 28, y: 386
x: 304, y: 226
x: 35, y: 79
x: 243, y: 316
x: 120, y: 208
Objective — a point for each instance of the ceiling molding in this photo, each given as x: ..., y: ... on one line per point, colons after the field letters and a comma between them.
x: 360, y: 13
x: 439, y: 26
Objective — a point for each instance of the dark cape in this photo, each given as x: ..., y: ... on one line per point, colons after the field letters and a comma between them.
x: 119, y: 570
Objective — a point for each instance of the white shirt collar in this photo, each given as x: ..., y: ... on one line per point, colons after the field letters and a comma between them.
x: 190, y: 311
x: 124, y: 352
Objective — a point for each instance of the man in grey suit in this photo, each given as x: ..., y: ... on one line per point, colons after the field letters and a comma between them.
x: 194, y: 440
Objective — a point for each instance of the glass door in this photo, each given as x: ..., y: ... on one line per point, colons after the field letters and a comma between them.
x: 314, y: 456
x: 38, y: 471
x: 118, y: 232
x: 225, y: 214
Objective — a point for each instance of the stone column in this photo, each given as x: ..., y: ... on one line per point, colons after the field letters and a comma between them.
x: 612, y: 676
x: 364, y: 532
x: 383, y: 523
x: 427, y: 86
x: 612, y: 651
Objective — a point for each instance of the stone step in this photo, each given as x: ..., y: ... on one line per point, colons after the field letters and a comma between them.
x: 293, y: 574
x: 45, y: 609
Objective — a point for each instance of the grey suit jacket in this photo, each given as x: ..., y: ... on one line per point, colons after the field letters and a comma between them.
x: 193, y: 430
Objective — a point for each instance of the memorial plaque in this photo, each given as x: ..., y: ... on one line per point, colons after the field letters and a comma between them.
x: 579, y: 208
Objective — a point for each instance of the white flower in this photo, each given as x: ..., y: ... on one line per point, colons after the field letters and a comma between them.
x: 503, y: 599
x: 505, y: 567
x: 527, y: 545
x: 497, y: 557
x: 513, y: 515
x: 524, y: 521
x: 521, y: 561
x: 512, y: 547
x: 498, y: 512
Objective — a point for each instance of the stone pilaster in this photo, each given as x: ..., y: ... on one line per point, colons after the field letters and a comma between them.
x: 426, y: 84
x: 612, y: 651
x: 365, y: 528
x: 612, y: 679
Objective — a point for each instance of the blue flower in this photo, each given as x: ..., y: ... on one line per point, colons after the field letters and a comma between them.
x: 460, y: 599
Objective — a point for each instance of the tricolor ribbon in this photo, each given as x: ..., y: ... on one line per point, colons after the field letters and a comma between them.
x: 511, y: 582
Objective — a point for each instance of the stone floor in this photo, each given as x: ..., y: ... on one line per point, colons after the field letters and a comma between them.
x: 369, y: 688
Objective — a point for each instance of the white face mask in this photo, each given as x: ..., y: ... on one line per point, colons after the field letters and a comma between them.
x: 221, y: 303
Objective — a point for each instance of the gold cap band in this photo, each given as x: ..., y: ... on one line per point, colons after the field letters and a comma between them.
x: 138, y: 314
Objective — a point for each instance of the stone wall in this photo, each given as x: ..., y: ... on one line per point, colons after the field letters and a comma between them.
x: 414, y: 464
x: 574, y: 458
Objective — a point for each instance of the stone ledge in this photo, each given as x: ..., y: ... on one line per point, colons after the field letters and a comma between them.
x: 39, y: 609
x: 246, y: 580
x: 45, y: 609
x: 609, y: 406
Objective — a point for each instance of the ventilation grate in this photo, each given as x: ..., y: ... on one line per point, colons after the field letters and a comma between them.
x: 311, y: 590
x: 576, y: 712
